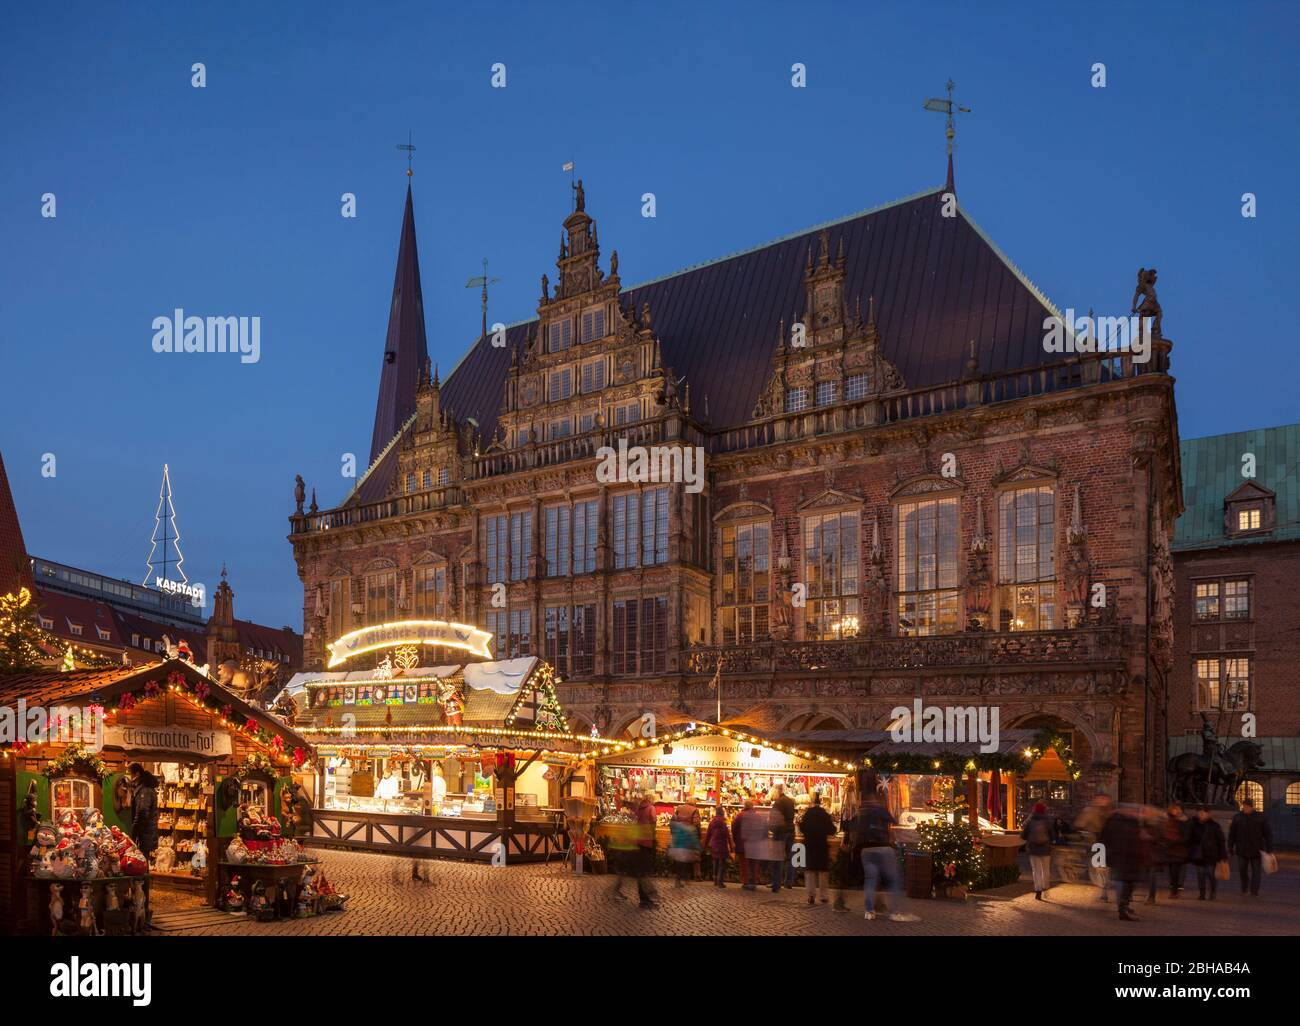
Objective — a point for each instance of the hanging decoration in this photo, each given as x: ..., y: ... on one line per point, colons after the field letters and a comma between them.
x: 73, y: 755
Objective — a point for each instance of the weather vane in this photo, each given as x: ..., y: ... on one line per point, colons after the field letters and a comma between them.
x: 410, y: 153
x: 484, y: 281
x: 949, y: 108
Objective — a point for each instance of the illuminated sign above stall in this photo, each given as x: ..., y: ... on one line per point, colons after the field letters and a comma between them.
x: 410, y: 632
x: 713, y: 751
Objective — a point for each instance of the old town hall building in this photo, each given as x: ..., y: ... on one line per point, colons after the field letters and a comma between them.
x: 904, y: 493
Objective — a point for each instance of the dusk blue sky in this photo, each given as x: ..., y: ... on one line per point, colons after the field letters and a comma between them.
x: 226, y: 200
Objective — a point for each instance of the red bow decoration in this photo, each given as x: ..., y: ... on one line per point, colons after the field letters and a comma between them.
x: 20, y: 746
x: 127, y: 702
x: 277, y: 744
x: 226, y: 711
x: 201, y: 689
x: 176, y: 679
x: 151, y: 689
x: 299, y: 757
x: 251, y: 725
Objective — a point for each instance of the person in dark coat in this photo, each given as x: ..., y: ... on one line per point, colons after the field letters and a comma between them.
x: 1206, y: 848
x: 718, y: 840
x: 1127, y: 856
x: 1249, y: 836
x: 1040, y: 834
x: 817, y: 828
x: 783, y: 830
x: 144, y: 809
x: 1177, y: 829
x: 738, y: 841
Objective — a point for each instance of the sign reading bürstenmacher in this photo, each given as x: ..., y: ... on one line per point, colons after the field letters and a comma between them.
x: 168, y: 738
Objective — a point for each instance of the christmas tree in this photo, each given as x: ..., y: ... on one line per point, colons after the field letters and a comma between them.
x: 165, y: 535
x: 952, y: 843
x: 21, y: 635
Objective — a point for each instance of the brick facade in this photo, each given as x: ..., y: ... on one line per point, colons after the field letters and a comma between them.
x: 839, y: 445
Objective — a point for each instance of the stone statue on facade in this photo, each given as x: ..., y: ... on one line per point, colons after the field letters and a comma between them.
x: 1145, y: 303
x: 299, y: 492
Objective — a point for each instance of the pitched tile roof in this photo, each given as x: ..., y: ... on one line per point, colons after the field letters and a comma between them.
x: 65, y: 611
x: 1212, y: 471
x: 938, y: 283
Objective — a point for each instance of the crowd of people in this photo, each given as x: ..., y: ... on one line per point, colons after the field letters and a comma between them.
x: 1132, y: 847
x: 1128, y: 848
x: 760, y: 843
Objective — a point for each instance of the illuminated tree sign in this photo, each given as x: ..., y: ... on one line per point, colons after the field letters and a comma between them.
x: 410, y: 632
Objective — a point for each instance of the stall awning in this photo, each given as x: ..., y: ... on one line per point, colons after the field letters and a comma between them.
x: 1048, y: 767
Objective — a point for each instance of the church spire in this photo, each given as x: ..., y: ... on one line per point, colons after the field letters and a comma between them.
x: 405, y: 350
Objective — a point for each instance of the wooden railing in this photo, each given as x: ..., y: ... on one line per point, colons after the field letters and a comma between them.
x: 1075, y: 646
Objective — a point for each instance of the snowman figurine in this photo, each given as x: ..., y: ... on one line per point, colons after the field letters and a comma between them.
x: 38, y: 860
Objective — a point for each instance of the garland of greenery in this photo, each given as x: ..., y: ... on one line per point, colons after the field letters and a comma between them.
x: 254, y: 762
x: 71, y: 756
x: 952, y: 764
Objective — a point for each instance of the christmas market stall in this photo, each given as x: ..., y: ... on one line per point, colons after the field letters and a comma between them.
x: 467, y: 761
x: 67, y: 739
x: 710, y: 765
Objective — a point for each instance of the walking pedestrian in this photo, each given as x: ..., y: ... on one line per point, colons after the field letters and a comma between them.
x: 872, y: 832
x: 1178, y: 831
x: 783, y: 831
x: 1040, y: 834
x: 645, y: 849
x: 1249, y: 838
x: 1090, y: 823
x: 684, y: 841
x: 1124, y: 845
x: 738, y: 839
x: 144, y: 821
x: 1206, y: 848
x: 817, y: 828
x: 718, y: 840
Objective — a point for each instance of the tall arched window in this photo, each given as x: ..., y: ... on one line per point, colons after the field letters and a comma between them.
x: 1027, y: 559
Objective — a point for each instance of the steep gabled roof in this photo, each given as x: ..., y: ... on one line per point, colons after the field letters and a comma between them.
x: 938, y: 283
x: 1212, y: 471
x: 405, y: 351
x: 15, y: 565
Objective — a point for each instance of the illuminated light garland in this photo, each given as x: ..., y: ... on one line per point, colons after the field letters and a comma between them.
x: 475, y: 641
x: 165, y: 497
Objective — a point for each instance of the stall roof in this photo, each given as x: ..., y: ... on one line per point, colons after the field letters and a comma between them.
x: 103, y: 686
x: 1008, y: 741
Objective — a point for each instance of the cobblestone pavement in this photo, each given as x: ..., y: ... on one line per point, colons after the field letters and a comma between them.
x: 470, y: 898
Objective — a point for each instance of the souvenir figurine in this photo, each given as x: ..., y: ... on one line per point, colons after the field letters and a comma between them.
x: 39, y: 859
x: 115, y: 919
x: 56, y: 908
x: 199, y: 860
x: 61, y: 864
x: 257, y: 901
x: 93, y: 820
x: 234, y: 897
x: 139, y: 908
x: 86, y: 906
x: 236, y: 852
x: 132, y: 860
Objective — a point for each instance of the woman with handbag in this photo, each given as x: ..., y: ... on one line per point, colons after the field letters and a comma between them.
x: 1208, y: 851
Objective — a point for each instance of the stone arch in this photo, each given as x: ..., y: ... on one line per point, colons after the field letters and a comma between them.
x: 813, y: 719
x: 1094, y: 748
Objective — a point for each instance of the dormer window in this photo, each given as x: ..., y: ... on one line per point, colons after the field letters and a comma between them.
x: 1251, y: 509
x: 560, y: 336
x: 593, y: 324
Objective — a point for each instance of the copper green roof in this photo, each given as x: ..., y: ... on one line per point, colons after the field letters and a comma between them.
x: 1212, y: 471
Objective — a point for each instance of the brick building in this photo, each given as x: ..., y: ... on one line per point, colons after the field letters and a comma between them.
x: 905, y: 493
x: 1237, y: 633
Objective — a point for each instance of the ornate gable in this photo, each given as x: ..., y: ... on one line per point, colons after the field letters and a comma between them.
x: 926, y: 484
x: 830, y: 499
x: 745, y: 510
x: 1025, y: 474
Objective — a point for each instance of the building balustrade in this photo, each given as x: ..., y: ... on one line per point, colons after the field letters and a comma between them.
x: 1082, y: 645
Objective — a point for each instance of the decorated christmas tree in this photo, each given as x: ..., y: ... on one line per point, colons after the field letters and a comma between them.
x: 952, y: 842
x: 21, y: 635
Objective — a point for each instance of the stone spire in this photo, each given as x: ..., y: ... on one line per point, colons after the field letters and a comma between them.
x: 223, y: 640
x: 405, y: 349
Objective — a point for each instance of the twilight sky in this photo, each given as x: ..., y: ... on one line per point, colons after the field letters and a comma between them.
x: 226, y: 201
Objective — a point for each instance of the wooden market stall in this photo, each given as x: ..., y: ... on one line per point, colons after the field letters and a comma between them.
x: 210, y: 750
x: 709, y: 765
x: 458, y: 761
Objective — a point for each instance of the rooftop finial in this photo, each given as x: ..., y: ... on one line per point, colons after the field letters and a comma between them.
x: 410, y: 153
x: 948, y: 107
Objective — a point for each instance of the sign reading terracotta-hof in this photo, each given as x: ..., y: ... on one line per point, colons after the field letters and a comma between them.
x: 168, y: 738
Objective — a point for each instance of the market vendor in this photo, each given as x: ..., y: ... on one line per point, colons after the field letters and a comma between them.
x: 144, y: 809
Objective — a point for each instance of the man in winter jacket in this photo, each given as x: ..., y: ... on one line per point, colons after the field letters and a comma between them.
x: 1127, y: 856
x: 817, y: 828
x: 1248, y: 837
x: 1206, y: 848
x: 783, y: 831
